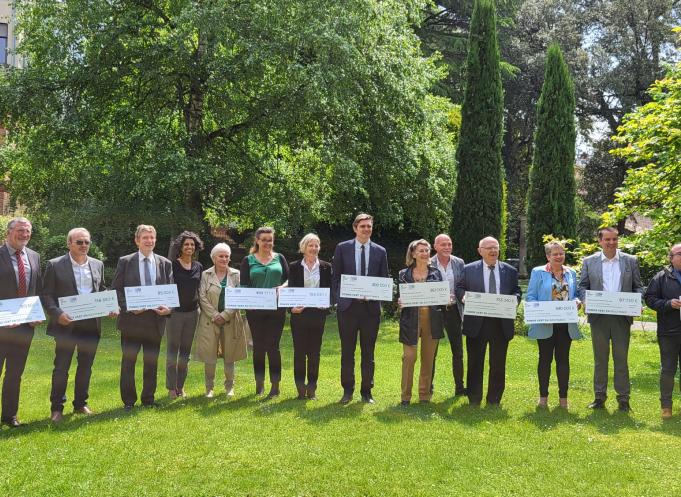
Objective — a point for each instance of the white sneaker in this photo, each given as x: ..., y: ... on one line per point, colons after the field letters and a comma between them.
x: 210, y: 394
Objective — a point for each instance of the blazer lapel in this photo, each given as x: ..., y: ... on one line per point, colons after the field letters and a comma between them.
x: 67, y: 267
x: 598, y: 270
x: 160, y: 278
x: 351, y: 255
x: 136, y: 276
x: 6, y: 259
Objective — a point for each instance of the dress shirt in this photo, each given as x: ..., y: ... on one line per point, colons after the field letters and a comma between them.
x: 677, y: 274
x: 311, y: 276
x: 611, y: 272
x: 358, y: 257
x: 24, y: 257
x: 447, y: 273
x: 485, y: 276
x: 152, y: 268
x: 83, y: 275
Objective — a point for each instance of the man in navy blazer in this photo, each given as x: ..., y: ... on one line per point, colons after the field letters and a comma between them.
x: 359, y: 256
x: 20, y: 277
x: 141, y: 330
x: 72, y: 274
x: 488, y: 275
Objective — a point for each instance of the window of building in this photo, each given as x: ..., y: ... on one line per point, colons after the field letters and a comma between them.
x: 3, y: 42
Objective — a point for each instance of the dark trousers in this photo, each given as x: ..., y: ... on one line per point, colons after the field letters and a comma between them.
x: 266, y: 329
x: 492, y: 334
x: 557, y: 345
x: 307, y: 330
x: 354, y: 321
x: 14, y: 346
x: 84, y: 339
x: 452, y: 322
x: 670, y: 356
x: 604, y: 331
x: 131, y: 346
x: 180, y: 336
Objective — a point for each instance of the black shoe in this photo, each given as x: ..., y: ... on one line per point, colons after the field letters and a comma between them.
x: 404, y: 403
x: 150, y: 405
x: 346, y: 398
x: 597, y: 404
x: 12, y: 422
x: 623, y: 406
x: 128, y: 407
x: 368, y: 399
x: 460, y: 392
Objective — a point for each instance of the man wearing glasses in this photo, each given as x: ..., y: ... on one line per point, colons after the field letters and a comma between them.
x: 664, y: 296
x: 72, y: 274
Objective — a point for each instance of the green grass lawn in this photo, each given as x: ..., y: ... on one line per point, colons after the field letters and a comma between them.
x: 285, y: 447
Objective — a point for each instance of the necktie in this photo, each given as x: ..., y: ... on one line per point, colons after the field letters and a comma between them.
x: 363, y: 261
x: 21, y: 269
x: 147, y: 272
x: 492, y: 280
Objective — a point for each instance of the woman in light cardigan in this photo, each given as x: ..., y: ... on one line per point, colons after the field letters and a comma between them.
x: 218, y: 325
x: 553, y: 281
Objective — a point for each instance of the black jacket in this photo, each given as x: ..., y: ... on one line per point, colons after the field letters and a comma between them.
x: 409, y: 316
x: 296, y: 278
x: 662, y: 289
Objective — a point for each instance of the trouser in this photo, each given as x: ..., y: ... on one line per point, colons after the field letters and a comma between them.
x: 209, y: 375
x: 615, y: 329
x: 557, y: 345
x: 307, y: 329
x: 354, y: 321
x: 82, y: 339
x: 131, y: 346
x: 409, y: 352
x: 452, y: 322
x: 492, y: 334
x: 266, y: 328
x: 670, y: 356
x: 180, y: 336
x: 14, y: 346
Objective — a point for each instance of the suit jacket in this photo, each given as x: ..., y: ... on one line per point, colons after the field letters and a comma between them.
x: 296, y: 277
x: 473, y: 281
x: 591, y: 278
x: 128, y: 274
x: 344, y: 263
x: 540, y: 288
x: 59, y: 281
x: 457, y: 265
x: 9, y: 287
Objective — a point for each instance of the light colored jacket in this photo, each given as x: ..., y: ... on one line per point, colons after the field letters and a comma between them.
x: 539, y: 289
x: 207, y: 332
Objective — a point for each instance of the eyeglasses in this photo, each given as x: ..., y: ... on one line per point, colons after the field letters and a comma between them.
x: 674, y: 254
x: 82, y: 242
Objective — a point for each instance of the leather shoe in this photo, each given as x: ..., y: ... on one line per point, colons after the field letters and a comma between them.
x: 128, y: 407
x: 623, y: 406
x: 404, y: 403
x: 666, y: 413
x: 368, y: 399
x: 57, y: 417
x: 459, y: 392
x: 346, y: 398
x: 12, y: 422
x: 597, y: 404
x: 84, y: 410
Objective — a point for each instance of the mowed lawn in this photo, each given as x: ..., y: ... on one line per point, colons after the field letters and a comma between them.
x: 286, y: 447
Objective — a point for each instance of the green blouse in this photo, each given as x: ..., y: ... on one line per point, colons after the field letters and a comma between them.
x: 268, y: 275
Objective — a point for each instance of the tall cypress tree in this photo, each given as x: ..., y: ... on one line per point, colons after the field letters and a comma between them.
x: 551, y: 197
x: 477, y: 210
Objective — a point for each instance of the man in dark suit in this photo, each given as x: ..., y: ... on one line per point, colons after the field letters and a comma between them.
x: 359, y: 256
x: 72, y: 274
x: 20, y: 277
x: 488, y: 275
x: 141, y: 330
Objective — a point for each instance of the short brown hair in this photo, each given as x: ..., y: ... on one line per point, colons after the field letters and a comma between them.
x: 607, y: 228
x: 142, y: 228
x: 362, y: 216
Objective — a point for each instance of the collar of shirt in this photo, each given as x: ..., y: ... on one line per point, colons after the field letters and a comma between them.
x: 74, y: 263
x: 13, y: 252
x: 358, y: 245
x: 677, y: 274
x: 314, y: 266
x: 614, y: 259
x: 142, y: 256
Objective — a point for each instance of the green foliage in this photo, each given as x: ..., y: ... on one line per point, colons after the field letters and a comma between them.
x: 477, y: 210
x: 237, y: 113
x: 551, y: 197
x: 650, y: 140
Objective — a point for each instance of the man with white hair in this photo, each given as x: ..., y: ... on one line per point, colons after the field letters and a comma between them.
x: 75, y: 273
x: 20, y: 277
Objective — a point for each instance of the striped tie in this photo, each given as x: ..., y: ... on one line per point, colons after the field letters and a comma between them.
x: 21, y: 269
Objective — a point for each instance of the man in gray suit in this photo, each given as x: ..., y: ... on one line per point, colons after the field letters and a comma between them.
x: 72, y: 274
x: 141, y: 330
x: 611, y: 271
x: 451, y: 269
x: 20, y: 277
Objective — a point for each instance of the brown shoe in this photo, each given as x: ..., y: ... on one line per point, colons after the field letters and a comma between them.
x: 543, y: 402
x: 57, y: 417
x: 666, y: 413
x: 301, y: 392
x: 563, y: 403
x: 84, y: 410
x: 172, y: 394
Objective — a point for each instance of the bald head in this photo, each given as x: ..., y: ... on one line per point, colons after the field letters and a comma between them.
x: 443, y: 246
x: 675, y: 256
x: 488, y: 248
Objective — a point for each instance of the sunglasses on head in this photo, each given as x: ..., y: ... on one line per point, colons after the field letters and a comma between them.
x: 82, y: 242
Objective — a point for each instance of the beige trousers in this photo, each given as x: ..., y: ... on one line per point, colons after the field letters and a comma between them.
x: 428, y: 349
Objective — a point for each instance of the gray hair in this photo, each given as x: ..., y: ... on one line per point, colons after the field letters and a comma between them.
x: 18, y: 220
x: 409, y: 259
x: 220, y: 247
x: 302, y: 245
x: 142, y: 228
x: 548, y: 248
x: 73, y: 231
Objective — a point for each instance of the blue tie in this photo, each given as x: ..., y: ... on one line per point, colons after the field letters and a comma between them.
x: 147, y: 272
x: 362, y: 262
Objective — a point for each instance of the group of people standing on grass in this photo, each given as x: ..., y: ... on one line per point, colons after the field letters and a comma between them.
x: 219, y: 334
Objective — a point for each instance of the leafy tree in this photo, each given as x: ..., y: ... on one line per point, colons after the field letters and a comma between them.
x: 235, y: 113
x: 477, y: 211
x: 551, y: 197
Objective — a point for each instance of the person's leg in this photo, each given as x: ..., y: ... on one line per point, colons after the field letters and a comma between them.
x: 428, y: 348
x: 621, y: 333
x: 600, y: 341
x: 64, y: 347
x: 475, y: 351
x: 186, y: 341
x: 562, y: 355
x: 173, y: 334
x: 275, y: 324
x: 259, y: 336
x: 16, y: 342
x: 368, y: 333
x: 87, y: 343
x: 348, y: 329
x: 546, y: 347
x: 453, y: 328
x: 498, y: 347
x: 408, y: 361
x: 314, y: 348
x: 130, y: 347
x: 298, y: 335
x: 151, y: 347
x: 669, y: 359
